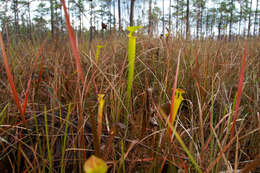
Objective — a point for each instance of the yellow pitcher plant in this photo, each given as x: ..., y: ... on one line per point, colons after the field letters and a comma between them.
x: 95, y: 165
x: 98, y: 52
x: 131, y: 61
x: 177, y: 102
x: 101, y: 102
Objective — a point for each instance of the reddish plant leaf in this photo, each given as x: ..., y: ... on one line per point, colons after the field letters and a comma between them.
x: 239, y: 91
x: 29, y: 81
x: 73, y: 43
x: 10, y: 78
x: 174, y: 88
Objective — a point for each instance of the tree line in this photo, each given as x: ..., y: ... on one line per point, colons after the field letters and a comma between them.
x: 196, y: 18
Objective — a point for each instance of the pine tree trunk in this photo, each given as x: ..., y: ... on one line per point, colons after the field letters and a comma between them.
x: 201, y: 16
x: 256, y: 15
x: 187, y: 18
x: 259, y: 27
x: 91, y: 24
x: 170, y: 17
x: 16, y: 19
x: 240, y: 16
x: 119, y: 16
x: 132, y: 13
x: 80, y: 23
x: 177, y: 17
x: 183, y: 25
x: 212, y: 23
x: 150, y: 18
x: 249, y: 20
x: 110, y: 17
x: 231, y: 20
x: 219, y: 27
x: 207, y: 24
x: 163, y: 17
x: 29, y: 20
x: 197, y: 24
x: 114, y: 10
x: 52, y: 17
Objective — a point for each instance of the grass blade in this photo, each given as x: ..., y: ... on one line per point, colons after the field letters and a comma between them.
x: 39, y: 140
x: 10, y: 78
x: 239, y: 92
x: 30, y: 80
x: 64, y: 140
x: 181, y: 143
x: 47, y: 139
x: 2, y: 114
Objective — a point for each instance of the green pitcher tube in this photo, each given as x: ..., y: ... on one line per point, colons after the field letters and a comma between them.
x: 131, y: 62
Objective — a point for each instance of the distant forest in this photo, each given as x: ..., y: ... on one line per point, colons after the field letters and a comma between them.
x: 196, y: 18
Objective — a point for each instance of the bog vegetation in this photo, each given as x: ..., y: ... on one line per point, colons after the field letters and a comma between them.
x: 138, y: 103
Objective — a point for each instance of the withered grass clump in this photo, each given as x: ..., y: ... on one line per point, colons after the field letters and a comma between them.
x: 209, y: 72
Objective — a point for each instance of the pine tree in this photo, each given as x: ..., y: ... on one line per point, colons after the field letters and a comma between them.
x: 249, y: 19
x: 150, y: 18
x: 132, y: 12
x: 231, y: 8
x: 199, y: 6
x: 119, y: 16
x: 187, y: 18
x: 256, y: 16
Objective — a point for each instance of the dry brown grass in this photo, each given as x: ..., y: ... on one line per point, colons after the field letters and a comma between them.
x: 209, y: 73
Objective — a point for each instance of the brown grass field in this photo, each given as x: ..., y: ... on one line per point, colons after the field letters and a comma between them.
x: 54, y: 125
